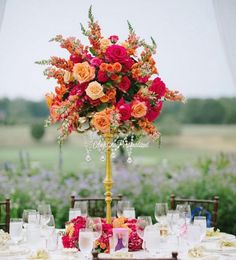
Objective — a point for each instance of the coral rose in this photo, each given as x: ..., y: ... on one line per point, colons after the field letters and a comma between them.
x: 102, y: 121
x: 139, y: 109
x: 94, y: 90
x: 83, y: 72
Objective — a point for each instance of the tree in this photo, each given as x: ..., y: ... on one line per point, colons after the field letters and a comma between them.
x: 37, y: 131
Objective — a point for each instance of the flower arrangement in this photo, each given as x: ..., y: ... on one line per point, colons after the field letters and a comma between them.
x: 71, y: 237
x: 110, y: 86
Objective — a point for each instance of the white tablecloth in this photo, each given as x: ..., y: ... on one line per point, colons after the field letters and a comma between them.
x: 59, y: 254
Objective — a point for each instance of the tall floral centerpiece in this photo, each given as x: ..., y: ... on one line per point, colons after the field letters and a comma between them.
x: 111, y: 87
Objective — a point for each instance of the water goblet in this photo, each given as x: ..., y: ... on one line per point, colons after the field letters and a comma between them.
x: 95, y: 224
x: 83, y: 207
x: 141, y: 224
x: 74, y: 212
x: 161, y: 213
x: 16, y: 225
x: 202, y: 223
x: 120, y: 207
x: 86, y: 239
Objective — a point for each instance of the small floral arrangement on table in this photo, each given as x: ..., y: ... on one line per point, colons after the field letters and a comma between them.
x: 110, y: 86
x: 71, y: 237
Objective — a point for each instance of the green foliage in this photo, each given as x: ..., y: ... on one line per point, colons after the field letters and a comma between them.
x: 170, y: 126
x: 37, y: 131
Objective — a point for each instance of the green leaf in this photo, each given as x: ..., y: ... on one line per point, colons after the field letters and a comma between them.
x: 131, y: 29
x: 92, y: 51
x: 101, y: 107
x: 90, y: 14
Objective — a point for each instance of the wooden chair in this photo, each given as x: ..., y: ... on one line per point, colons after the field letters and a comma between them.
x: 206, y: 204
x: 96, y: 206
x: 174, y: 257
x: 5, y: 215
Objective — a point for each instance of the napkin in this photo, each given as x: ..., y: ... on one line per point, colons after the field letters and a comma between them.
x: 4, y: 238
x: 39, y: 255
x: 227, y: 243
x: 196, y: 252
x: 211, y: 232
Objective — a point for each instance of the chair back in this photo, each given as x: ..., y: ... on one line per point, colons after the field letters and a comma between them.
x: 5, y: 215
x: 96, y: 205
x: 96, y: 257
x: 210, y: 205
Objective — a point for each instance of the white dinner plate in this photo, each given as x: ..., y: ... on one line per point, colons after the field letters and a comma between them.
x: 14, y: 251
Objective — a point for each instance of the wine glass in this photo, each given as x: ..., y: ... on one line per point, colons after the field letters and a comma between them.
x: 74, y: 212
x: 95, y: 224
x: 83, y: 207
x: 202, y: 223
x: 129, y: 212
x: 141, y: 224
x: 184, y: 212
x: 173, y: 220
x: 45, y: 213
x: 152, y: 239
x: 86, y: 239
x: 16, y: 225
x: 120, y: 207
x: 161, y: 212
x: 25, y: 215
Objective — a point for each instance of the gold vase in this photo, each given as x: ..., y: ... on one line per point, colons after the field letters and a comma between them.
x: 108, y: 179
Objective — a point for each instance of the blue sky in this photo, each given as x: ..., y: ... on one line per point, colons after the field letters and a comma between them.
x: 190, y: 54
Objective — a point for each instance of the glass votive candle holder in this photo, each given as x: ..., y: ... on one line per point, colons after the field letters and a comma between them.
x: 120, y: 239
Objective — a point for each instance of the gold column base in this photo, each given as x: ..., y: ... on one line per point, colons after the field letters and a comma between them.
x: 108, y: 179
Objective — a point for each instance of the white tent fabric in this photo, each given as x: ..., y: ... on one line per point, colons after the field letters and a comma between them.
x: 2, y: 9
x: 225, y: 11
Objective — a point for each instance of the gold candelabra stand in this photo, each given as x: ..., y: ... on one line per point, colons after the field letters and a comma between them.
x: 108, y: 179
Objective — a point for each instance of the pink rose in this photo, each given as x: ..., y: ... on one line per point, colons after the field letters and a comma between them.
x: 95, y: 62
x: 114, y: 38
x: 158, y: 87
x: 154, y: 112
x: 116, y: 53
x: 128, y: 63
x: 124, y: 110
x: 124, y: 85
x: 102, y: 76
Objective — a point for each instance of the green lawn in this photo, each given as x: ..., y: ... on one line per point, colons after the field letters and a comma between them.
x: 194, y: 142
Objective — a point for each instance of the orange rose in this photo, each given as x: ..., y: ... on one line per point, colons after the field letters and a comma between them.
x: 117, y: 67
x: 104, y: 99
x: 102, y: 121
x: 94, y: 90
x: 139, y: 109
x: 83, y: 72
x: 111, y: 93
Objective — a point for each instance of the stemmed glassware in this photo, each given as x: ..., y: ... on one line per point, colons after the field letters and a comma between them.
x: 161, y: 212
x: 45, y: 213
x: 26, y: 218
x: 86, y: 240
x: 141, y: 224
x: 121, y: 205
x: 81, y: 206
x: 94, y: 224
x: 184, y: 212
x: 16, y: 225
x: 201, y: 222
